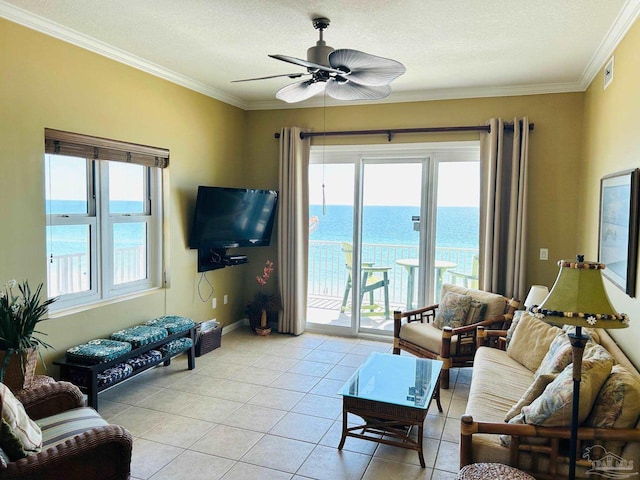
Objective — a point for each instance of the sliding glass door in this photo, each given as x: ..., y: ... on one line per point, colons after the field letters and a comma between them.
x: 387, y: 226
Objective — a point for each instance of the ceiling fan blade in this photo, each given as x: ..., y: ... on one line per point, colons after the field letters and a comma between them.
x: 364, y: 68
x: 354, y: 91
x: 305, y: 63
x: 290, y: 75
x: 296, y: 92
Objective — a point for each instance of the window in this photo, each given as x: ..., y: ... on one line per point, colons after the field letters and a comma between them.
x: 104, y: 217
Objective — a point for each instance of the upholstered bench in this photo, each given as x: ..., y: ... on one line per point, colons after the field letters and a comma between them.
x: 99, y: 364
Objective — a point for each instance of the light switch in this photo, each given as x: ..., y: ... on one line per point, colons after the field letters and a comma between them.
x: 544, y: 254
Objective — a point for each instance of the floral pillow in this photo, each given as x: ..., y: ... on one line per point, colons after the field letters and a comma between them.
x: 617, y: 404
x: 553, y: 408
x: 557, y: 357
x: 452, y: 310
x: 25, y: 430
x: 533, y: 392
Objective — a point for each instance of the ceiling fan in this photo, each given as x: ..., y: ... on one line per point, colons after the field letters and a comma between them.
x: 344, y: 74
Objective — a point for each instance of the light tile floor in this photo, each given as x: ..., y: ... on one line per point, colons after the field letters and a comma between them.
x: 266, y: 408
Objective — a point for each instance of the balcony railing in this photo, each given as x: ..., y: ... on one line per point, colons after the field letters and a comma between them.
x: 70, y: 273
x: 328, y: 272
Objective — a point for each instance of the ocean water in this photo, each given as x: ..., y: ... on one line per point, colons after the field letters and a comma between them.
x: 455, y: 226
x: 73, y: 239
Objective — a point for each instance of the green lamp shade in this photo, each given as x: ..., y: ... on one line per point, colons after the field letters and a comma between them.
x: 579, y: 298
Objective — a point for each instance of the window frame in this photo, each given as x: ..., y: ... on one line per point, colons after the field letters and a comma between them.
x: 101, y: 222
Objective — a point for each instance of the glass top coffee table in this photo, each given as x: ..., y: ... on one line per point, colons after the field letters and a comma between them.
x: 392, y: 394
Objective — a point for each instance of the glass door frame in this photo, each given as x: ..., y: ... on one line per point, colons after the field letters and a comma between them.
x: 430, y: 153
x: 383, y: 158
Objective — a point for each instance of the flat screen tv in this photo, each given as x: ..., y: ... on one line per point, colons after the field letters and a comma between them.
x: 232, y: 217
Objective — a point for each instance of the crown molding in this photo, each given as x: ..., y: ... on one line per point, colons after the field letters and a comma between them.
x: 53, y: 29
x: 427, y: 95
x: 623, y: 22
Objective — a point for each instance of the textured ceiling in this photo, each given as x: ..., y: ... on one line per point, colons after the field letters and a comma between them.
x: 451, y: 48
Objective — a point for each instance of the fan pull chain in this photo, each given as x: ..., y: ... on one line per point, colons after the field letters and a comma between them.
x: 324, y: 142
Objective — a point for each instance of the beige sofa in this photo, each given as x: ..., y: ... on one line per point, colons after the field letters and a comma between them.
x: 525, y: 381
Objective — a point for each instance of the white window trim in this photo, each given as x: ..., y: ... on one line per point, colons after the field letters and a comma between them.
x: 101, y: 255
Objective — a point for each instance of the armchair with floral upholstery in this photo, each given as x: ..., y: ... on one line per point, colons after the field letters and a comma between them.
x: 447, y: 331
x: 48, y: 433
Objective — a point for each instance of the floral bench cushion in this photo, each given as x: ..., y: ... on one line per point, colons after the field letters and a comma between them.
x: 176, y: 346
x: 140, y: 335
x: 144, y: 359
x: 97, y: 351
x: 172, y: 323
x: 114, y: 374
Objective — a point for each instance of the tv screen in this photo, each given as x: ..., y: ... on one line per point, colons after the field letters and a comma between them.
x: 232, y: 217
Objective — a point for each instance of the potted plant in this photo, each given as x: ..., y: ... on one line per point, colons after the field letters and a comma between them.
x: 19, y: 345
x: 262, y: 304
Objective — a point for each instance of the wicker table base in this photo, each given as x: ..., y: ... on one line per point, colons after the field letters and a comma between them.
x: 385, y: 421
x: 492, y: 471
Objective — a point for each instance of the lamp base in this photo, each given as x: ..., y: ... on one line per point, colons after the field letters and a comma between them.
x: 578, y: 341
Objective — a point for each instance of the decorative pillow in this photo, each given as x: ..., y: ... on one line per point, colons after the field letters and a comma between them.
x: 517, y: 315
x: 530, y: 341
x: 594, y: 351
x: 11, y: 445
x: 476, y: 312
x: 558, y: 356
x: 617, y: 404
x: 452, y: 310
x: 25, y: 429
x: 553, y: 407
x: 533, y: 392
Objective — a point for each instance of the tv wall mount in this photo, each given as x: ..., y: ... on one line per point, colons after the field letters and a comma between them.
x: 215, y: 258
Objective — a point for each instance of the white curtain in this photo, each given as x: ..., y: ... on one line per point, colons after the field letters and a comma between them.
x: 293, y: 230
x: 503, y: 166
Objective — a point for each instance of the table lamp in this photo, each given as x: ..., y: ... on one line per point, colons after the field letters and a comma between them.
x: 536, y: 295
x: 578, y: 298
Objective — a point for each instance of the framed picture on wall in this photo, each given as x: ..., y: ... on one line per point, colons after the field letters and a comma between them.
x: 618, y: 235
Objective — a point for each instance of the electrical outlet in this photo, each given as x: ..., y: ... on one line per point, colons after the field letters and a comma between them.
x: 544, y: 254
x: 226, y: 299
x: 213, y: 302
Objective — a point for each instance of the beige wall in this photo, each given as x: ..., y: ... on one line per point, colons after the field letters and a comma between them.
x: 612, y: 144
x: 48, y: 83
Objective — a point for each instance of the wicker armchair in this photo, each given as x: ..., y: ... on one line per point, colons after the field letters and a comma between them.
x: 414, y: 331
x: 98, y: 453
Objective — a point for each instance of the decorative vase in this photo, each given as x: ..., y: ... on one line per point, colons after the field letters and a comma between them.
x: 264, y: 328
x: 19, y: 368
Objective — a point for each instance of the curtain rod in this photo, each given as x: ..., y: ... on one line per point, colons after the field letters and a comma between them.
x: 392, y: 131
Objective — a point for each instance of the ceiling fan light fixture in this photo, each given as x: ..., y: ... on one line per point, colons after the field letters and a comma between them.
x: 346, y: 74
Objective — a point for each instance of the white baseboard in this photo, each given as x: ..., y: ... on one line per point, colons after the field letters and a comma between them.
x: 234, y: 326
